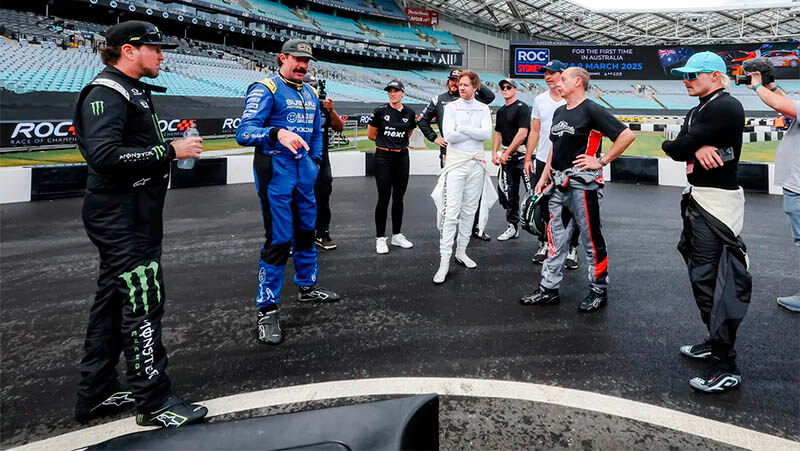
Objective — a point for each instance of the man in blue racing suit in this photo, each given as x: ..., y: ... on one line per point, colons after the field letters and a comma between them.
x: 282, y: 120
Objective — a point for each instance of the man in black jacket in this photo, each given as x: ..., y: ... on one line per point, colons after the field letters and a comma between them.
x: 710, y: 142
x: 129, y: 163
x: 434, y: 112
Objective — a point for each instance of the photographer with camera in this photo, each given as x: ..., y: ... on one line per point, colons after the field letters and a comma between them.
x: 712, y: 208
x: 787, y: 158
x: 324, y: 185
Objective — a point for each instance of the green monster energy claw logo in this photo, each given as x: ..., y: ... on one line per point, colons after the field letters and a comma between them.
x: 97, y: 107
x: 140, y: 274
x: 159, y: 151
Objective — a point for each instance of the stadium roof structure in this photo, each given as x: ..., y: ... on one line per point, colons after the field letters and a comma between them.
x: 719, y: 21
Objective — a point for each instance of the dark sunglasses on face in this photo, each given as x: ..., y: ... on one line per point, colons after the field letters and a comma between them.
x: 506, y: 87
x: 691, y: 76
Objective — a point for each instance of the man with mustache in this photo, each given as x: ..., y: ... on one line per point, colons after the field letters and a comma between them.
x: 282, y: 119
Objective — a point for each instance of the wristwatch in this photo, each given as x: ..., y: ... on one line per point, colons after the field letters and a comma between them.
x: 602, y: 161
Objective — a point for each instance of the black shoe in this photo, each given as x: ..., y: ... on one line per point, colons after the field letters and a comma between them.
x: 269, y: 327
x: 324, y: 241
x: 572, y: 258
x: 172, y: 414
x: 595, y: 300
x: 720, y: 377
x: 477, y: 234
x: 117, y: 400
x: 541, y: 296
x: 699, y: 351
x: 541, y: 254
x: 316, y: 293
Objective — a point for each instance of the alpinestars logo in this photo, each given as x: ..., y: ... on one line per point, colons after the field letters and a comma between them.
x: 170, y: 419
x: 561, y: 128
x: 118, y: 399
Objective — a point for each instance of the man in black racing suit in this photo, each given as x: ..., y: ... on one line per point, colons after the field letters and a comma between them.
x: 128, y: 165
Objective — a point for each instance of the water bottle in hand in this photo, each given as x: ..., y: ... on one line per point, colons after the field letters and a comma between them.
x: 191, y: 132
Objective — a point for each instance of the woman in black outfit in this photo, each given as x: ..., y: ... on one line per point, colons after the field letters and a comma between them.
x: 391, y: 127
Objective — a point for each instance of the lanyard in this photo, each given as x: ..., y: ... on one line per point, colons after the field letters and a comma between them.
x: 691, y: 115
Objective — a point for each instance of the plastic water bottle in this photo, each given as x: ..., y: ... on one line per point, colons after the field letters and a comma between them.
x: 188, y: 163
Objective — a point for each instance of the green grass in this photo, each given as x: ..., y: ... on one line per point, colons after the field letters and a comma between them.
x: 646, y: 144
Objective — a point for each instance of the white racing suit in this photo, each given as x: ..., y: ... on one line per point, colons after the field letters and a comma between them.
x: 457, y: 195
x: 580, y: 193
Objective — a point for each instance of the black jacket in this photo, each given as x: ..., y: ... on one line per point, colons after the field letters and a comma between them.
x: 717, y: 121
x: 434, y: 111
x: 119, y: 136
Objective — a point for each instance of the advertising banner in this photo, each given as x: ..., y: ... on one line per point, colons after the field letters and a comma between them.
x: 60, y: 132
x: 449, y: 59
x: 422, y: 16
x: 648, y: 62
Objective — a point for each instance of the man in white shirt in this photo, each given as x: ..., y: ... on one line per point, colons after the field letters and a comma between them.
x: 539, y: 145
x: 467, y: 123
x: 787, y: 163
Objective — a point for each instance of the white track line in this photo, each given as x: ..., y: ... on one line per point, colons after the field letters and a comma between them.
x: 480, y: 388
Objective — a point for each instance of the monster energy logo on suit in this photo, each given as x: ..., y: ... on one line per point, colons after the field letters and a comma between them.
x: 141, y: 274
x: 97, y: 107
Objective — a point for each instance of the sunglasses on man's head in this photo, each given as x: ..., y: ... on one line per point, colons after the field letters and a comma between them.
x: 506, y: 87
x: 153, y: 36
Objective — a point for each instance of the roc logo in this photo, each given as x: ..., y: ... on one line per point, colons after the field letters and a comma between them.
x: 97, y: 107
x: 184, y: 124
x: 530, y: 60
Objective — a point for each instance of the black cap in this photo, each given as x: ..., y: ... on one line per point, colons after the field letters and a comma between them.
x: 454, y: 74
x: 298, y: 48
x: 507, y: 81
x: 396, y: 84
x: 136, y: 32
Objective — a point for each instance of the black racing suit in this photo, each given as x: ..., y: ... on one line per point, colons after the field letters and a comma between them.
x: 715, y: 256
x: 128, y: 165
x: 434, y: 112
x: 324, y: 185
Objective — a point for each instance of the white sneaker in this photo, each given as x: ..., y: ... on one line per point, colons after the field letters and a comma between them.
x: 511, y: 232
x: 380, y: 245
x: 399, y: 240
x: 441, y: 274
x: 461, y: 257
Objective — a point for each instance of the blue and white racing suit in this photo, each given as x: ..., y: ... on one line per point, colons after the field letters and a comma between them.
x: 284, y: 180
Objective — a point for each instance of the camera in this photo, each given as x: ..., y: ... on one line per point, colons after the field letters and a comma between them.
x: 762, y: 65
x: 321, y: 93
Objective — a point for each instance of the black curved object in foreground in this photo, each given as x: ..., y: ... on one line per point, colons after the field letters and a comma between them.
x: 410, y: 423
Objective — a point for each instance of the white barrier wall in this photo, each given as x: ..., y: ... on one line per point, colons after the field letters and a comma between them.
x: 15, y: 185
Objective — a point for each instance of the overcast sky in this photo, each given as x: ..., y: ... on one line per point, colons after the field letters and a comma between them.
x: 681, y: 5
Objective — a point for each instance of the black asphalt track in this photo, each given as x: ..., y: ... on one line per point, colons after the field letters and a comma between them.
x: 394, y: 322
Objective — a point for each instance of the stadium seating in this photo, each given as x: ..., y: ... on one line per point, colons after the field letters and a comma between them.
x: 629, y: 101
x: 216, y: 70
x: 397, y: 34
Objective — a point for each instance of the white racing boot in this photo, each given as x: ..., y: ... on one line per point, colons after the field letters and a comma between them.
x: 462, y: 258
x: 444, y: 267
